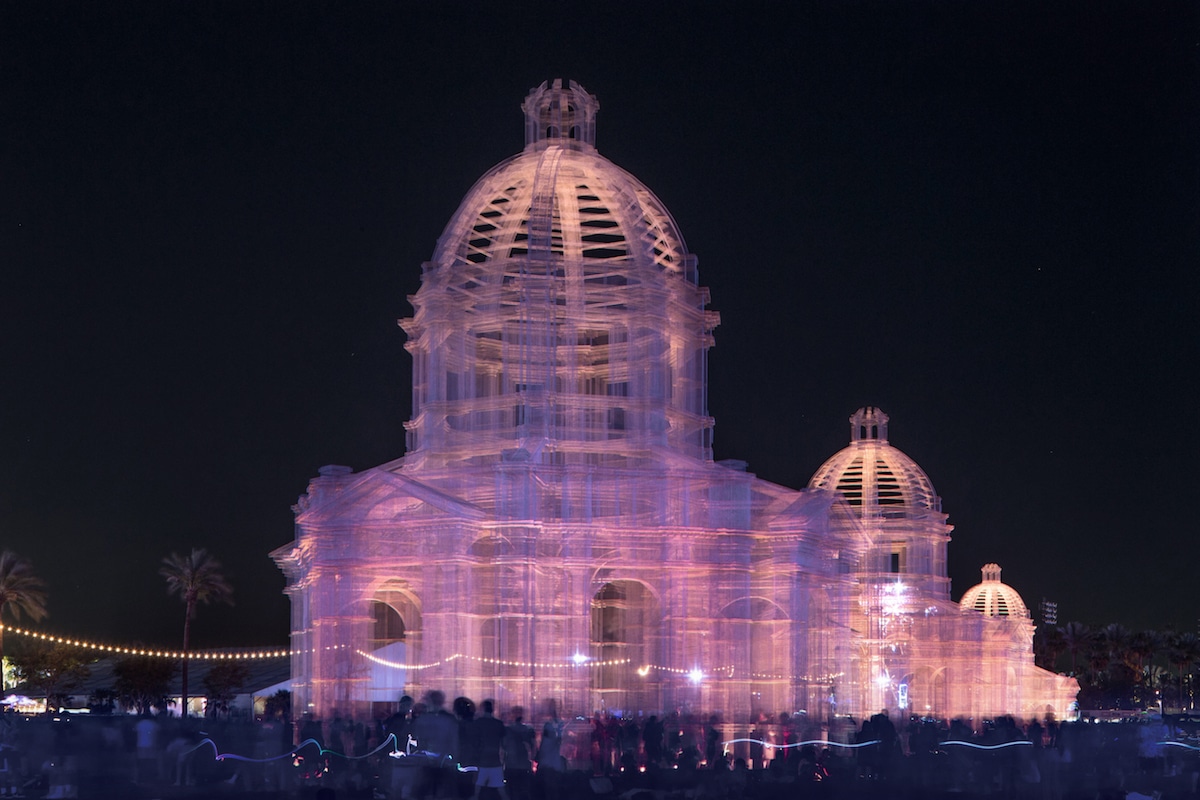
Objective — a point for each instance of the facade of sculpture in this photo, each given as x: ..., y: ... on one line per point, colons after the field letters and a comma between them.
x: 558, y: 529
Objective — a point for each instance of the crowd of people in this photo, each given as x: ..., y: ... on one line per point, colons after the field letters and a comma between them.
x: 436, y: 749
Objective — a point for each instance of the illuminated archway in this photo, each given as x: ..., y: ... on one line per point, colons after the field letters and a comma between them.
x: 625, y: 620
x: 394, y: 643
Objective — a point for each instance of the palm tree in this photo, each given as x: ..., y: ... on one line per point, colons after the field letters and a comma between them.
x: 196, y: 578
x: 1142, y: 647
x: 1048, y: 645
x: 1077, y: 639
x: 1184, y: 652
x: 20, y: 590
x: 1116, y: 639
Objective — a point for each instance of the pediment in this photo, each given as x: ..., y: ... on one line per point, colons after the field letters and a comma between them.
x: 382, y: 495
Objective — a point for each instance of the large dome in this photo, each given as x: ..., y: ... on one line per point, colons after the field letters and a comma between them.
x: 560, y: 198
x: 994, y: 598
x: 875, y: 478
x: 560, y: 319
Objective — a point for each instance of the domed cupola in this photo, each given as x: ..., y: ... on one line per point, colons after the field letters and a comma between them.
x: 899, y: 510
x: 874, y: 477
x: 994, y: 598
x: 560, y: 320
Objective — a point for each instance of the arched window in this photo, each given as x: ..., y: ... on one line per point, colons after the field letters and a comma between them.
x: 387, y: 627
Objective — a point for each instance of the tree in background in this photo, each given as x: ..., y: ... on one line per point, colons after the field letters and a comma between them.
x: 1077, y: 641
x: 143, y: 682
x: 1143, y: 647
x: 196, y: 578
x: 50, y: 671
x: 102, y: 701
x: 20, y: 591
x: 1120, y: 674
x: 1048, y: 645
x: 221, y: 685
x: 278, y: 706
x: 1183, y: 653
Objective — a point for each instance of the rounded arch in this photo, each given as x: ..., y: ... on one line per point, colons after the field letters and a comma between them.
x: 753, y: 607
x: 394, y: 635
x: 397, y: 596
x: 371, y: 641
x: 490, y: 547
x: 606, y: 575
x: 929, y: 691
x: 758, y: 634
x: 625, y: 633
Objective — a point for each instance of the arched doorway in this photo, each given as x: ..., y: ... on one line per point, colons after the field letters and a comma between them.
x: 760, y: 637
x: 395, y: 626
x: 625, y: 623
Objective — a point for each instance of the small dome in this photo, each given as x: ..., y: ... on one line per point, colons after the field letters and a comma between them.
x: 994, y: 598
x: 875, y: 477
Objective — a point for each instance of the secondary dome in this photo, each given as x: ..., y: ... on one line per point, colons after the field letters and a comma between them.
x: 875, y: 478
x: 560, y: 319
x: 994, y: 598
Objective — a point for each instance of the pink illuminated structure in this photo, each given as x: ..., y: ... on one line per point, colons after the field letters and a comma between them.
x: 558, y: 529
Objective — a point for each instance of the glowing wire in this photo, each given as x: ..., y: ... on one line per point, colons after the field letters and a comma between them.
x: 1019, y: 743
x: 390, y: 741
x: 1181, y: 744
x: 295, y: 751
x: 572, y: 664
x: 801, y: 744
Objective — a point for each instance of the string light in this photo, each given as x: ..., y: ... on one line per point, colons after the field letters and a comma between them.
x: 575, y: 662
x: 199, y: 655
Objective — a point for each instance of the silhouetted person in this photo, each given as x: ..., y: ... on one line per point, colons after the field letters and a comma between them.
x: 486, y: 734
x: 882, y: 729
x: 399, y: 726
x: 464, y: 712
x: 712, y: 741
x: 436, y: 732
x: 652, y: 740
x: 148, y: 750
x: 549, y: 754
x: 519, y: 746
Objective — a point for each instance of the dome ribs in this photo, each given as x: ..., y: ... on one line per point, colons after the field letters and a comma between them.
x: 560, y: 277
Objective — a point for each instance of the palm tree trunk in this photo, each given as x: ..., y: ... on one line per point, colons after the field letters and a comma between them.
x: 1180, y: 687
x: 3, y: 688
x: 187, y: 631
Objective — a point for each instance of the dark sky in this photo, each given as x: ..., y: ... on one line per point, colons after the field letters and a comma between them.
x: 981, y: 217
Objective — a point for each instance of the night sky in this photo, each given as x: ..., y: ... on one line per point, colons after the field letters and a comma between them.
x: 979, y: 216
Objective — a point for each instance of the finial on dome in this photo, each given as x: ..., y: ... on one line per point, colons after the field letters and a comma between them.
x: 563, y: 117
x: 868, y: 424
x: 991, y: 572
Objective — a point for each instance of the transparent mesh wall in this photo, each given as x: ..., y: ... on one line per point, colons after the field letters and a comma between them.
x: 668, y: 601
